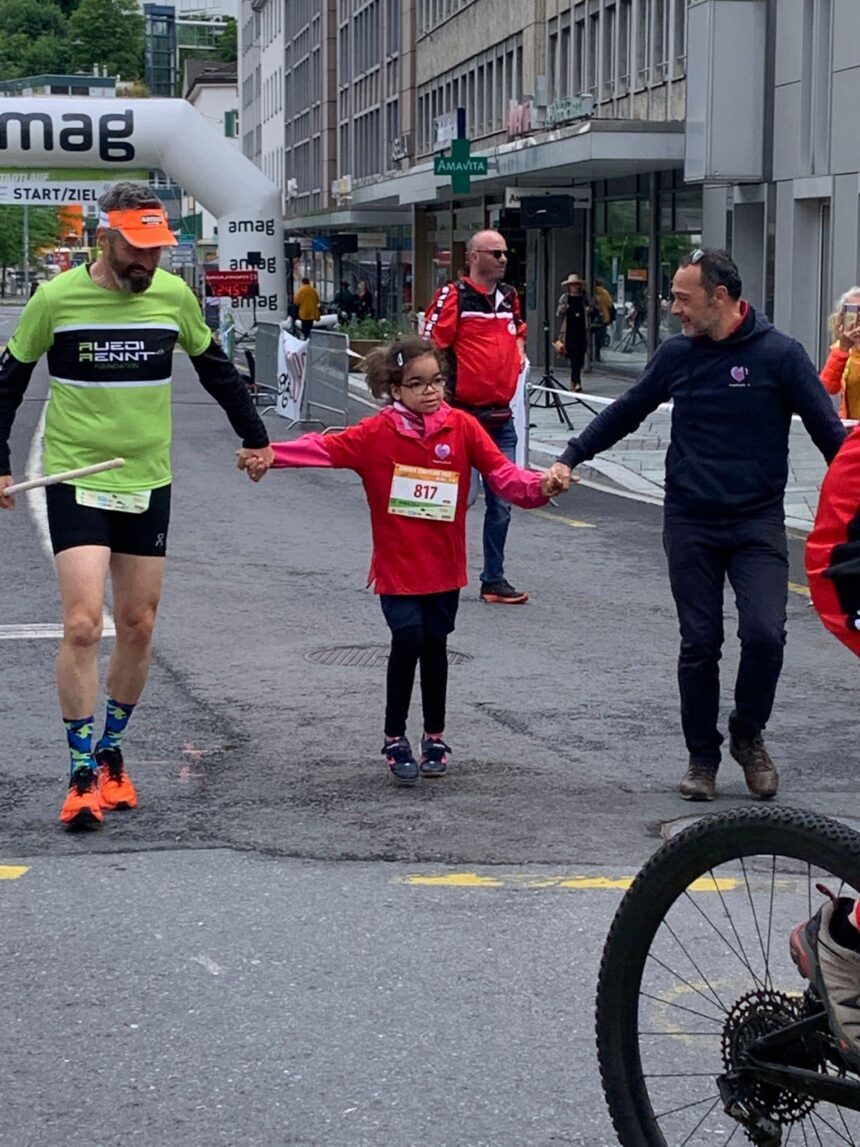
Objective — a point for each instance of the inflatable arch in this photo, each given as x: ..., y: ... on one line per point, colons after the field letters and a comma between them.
x: 119, y: 135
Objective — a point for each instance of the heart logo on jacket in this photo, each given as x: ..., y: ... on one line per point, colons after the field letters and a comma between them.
x: 739, y: 373
x: 443, y: 450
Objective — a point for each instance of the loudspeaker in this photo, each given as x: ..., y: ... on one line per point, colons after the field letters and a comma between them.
x: 546, y: 211
x: 292, y: 249
x: 343, y: 244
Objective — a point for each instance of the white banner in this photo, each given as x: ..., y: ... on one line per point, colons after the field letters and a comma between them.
x: 292, y: 370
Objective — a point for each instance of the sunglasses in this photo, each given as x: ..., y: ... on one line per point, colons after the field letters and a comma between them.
x: 696, y: 256
x: 496, y: 252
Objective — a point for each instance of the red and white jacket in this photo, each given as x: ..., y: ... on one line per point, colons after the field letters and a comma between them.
x: 415, y: 555
x: 481, y: 329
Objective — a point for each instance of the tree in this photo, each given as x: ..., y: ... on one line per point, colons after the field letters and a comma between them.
x: 228, y: 43
x: 44, y: 229
x: 33, y: 40
x: 108, y: 33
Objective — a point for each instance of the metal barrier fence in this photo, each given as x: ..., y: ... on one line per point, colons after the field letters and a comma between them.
x: 327, y: 375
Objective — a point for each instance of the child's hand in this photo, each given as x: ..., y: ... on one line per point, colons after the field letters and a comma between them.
x: 255, y: 461
x: 557, y: 479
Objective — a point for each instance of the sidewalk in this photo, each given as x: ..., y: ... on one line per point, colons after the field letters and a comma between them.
x: 634, y: 468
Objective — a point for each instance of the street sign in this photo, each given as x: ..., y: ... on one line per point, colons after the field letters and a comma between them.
x: 461, y: 166
x: 581, y: 196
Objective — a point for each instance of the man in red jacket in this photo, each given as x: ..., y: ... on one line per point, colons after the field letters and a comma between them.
x: 477, y: 321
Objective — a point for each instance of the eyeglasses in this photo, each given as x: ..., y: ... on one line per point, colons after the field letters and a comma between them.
x: 423, y: 387
x: 496, y: 252
x: 696, y: 256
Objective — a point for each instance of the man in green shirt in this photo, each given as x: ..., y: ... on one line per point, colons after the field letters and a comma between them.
x: 109, y: 331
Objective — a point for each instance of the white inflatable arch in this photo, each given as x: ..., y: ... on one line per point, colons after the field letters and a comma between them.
x: 119, y: 135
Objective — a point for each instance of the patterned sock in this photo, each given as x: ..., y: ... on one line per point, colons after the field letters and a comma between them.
x: 79, y: 734
x: 115, y: 722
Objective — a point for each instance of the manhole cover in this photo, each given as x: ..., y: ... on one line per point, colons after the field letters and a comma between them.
x: 367, y: 656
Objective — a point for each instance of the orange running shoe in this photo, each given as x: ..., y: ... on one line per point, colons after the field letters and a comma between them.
x: 81, y: 807
x: 115, y: 787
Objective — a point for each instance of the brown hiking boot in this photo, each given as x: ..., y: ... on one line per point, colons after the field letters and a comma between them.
x: 759, y: 770
x: 699, y: 783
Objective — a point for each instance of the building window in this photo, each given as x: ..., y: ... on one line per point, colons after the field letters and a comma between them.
x: 623, y: 46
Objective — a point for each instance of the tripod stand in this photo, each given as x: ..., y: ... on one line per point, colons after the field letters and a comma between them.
x: 549, y: 384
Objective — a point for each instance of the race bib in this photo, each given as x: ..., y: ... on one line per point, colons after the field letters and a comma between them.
x: 420, y: 493
x: 136, y: 503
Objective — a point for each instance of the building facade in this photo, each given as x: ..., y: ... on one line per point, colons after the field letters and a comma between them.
x: 668, y: 123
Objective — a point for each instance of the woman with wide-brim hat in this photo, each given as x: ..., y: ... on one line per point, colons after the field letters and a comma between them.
x: 573, y: 310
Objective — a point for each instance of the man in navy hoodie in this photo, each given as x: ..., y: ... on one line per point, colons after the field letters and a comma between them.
x: 734, y: 381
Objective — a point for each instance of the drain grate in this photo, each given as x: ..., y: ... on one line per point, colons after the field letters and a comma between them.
x: 367, y: 656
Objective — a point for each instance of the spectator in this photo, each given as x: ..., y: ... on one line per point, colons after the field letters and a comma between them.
x: 364, y: 301
x: 344, y: 302
x: 573, y: 310
x: 477, y: 320
x: 841, y: 373
x: 602, y: 314
x: 308, y: 304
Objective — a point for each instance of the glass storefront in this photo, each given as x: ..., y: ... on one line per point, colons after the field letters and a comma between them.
x: 621, y: 250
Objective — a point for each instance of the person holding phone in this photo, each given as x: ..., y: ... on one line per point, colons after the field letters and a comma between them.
x: 841, y: 373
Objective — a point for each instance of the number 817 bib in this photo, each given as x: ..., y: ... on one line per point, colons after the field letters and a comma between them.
x: 420, y: 493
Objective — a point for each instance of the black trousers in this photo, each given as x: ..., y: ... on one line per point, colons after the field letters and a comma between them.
x: 419, y: 625
x: 753, y: 554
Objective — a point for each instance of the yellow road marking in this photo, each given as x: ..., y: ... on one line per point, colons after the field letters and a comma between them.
x: 796, y: 587
x: 12, y: 871
x: 476, y: 880
x: 574, y: 523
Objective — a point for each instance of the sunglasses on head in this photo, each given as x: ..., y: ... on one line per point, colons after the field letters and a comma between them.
x: 696, y: 256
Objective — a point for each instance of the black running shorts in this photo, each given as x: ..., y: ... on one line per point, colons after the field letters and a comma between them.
x: 142, y: 535
x: 433, y: 613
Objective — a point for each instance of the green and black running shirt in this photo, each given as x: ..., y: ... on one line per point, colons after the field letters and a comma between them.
x: 110, y: 359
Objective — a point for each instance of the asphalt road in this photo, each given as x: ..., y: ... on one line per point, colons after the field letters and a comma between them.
x: 247, y: 958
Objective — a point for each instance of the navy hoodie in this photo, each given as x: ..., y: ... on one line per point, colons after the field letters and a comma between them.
x: 732, y: 405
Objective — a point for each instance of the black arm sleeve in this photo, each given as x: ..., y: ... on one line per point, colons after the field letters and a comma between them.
x: 14, y: 380
x: 621, y: 418
x: 221, y: 379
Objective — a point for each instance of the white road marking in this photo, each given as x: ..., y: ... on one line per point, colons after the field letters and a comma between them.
x: 37, y: 504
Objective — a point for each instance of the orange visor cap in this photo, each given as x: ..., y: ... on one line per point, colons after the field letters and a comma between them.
x: 140, y: 226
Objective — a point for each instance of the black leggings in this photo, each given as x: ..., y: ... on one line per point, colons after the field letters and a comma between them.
x: 419, y: 624
x: 409, y: 646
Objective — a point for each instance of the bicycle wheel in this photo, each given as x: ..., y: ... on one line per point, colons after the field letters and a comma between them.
x: 696, y: 967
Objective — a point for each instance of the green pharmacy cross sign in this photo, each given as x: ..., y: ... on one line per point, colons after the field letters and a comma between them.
x: 461, y: 165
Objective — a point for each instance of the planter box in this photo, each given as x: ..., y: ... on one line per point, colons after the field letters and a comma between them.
x: 363, y: 347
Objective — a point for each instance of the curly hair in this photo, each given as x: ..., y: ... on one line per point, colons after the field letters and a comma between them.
x: 385, y: 365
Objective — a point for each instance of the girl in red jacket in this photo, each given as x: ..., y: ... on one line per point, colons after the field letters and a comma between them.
x: 415, y: 459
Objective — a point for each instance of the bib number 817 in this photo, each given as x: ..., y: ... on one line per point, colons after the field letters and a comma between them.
x: 424, y: 491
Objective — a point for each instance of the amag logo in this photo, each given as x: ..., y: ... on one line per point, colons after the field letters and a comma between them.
x: 77, y: 135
